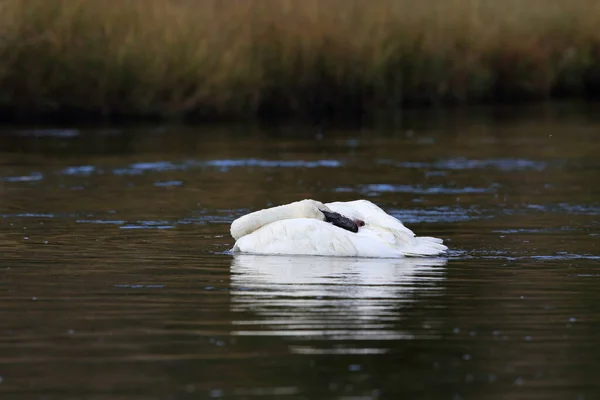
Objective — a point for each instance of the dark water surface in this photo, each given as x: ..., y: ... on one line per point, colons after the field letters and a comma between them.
x: 115, y: 280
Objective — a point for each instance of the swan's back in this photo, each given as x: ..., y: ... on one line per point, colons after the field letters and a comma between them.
x: 388, y: 228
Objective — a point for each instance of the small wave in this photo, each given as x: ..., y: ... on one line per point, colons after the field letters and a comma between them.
x: 224, y: 218
x: 502, y: 164
x: 100, y: 221
x: 33, y: 177
x: 168, y: 183
x: 139, y: 168
x: 223, y: 165
x: 420, y: 189
x: 81, y: 170
x: 438, y: 214
x: 534, y: 230
x: 583, y: 209
x: 580, y: 209
x: 149, y: 225
x: 505, y: 255
x: 29, y: 215
x: 254, y: 162
x: 138, y: 286
x: 56, y: 133
x: 567, y: 256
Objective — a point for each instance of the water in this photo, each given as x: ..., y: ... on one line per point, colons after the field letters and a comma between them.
x: 116, y: 281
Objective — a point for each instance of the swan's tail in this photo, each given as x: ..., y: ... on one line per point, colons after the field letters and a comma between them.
x: 426, y: 246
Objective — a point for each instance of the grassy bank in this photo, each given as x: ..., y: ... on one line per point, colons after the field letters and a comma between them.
x: 245, y: 58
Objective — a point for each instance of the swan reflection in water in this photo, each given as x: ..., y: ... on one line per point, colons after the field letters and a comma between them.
x: 329, y: 297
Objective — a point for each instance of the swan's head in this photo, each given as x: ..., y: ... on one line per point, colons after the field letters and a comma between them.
x: 317, y: 210
x: 340, y: 221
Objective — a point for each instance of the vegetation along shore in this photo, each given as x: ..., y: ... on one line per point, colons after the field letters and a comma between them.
x: 247, y: 58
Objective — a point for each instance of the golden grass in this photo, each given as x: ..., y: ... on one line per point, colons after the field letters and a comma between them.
x: 243, y: 57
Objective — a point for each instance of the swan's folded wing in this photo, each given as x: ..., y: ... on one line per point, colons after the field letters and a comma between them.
x: 372, y: 215
x: 384, y: 228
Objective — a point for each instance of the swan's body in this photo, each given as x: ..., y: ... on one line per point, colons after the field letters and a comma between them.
x: 301, y: 228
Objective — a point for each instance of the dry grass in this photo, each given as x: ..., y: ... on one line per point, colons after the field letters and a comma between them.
x: 242, y: 58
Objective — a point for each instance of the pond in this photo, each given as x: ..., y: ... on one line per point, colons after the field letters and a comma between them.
x: 116, y: 281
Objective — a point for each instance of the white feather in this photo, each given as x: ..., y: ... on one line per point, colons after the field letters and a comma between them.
x: 299, y: 228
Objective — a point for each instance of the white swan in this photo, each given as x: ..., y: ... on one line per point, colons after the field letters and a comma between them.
x: 307, y: 227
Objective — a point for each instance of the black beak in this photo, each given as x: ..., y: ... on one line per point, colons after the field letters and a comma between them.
x: 340, y: 221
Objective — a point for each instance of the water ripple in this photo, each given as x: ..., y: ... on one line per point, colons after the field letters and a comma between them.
x: 223, y: 165
x: 509, y: 256
x: 502, y: 164
x: 83, y: 170
x: 439, y: 214
x: 32, y: 177
x: 56, y: 133
x: 149, y: 225
x: 168, y: 183
x: 377, y: 188
x: 254, y: 162
x: 29, y: 215
x: 100, y: 221
x: 422, y: 189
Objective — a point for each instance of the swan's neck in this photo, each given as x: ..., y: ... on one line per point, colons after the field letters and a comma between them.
x: 299, y: 209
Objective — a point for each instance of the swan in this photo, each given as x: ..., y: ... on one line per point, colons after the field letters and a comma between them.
x: 349, y: 229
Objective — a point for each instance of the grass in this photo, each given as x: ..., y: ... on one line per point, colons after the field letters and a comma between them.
x: 238, y: 58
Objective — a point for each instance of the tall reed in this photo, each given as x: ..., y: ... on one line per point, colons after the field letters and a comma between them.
x: 242, y: 58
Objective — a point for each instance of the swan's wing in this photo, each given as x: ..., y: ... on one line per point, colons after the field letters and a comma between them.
x: 305, y: 236
x: 385, y: 228
x: 371, y: 214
